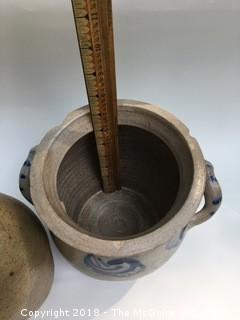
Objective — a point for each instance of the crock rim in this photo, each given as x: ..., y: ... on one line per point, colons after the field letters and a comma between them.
x: 127, y: 247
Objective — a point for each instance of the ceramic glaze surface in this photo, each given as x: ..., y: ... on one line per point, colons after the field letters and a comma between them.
x: 148, y: 189
x: 114, y: 267
x: 26, y: 264
x: 24, y: 177
x: 131, y: 232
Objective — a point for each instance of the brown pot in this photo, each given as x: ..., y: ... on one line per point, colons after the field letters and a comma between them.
x: 26, y: 264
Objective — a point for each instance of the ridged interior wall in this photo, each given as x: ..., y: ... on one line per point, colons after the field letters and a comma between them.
x: 146, y: 164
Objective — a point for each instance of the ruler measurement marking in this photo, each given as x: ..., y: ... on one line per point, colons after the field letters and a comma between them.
x: 93, y: 19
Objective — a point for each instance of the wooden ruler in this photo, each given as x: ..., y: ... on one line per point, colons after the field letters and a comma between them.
x: 93, y: 19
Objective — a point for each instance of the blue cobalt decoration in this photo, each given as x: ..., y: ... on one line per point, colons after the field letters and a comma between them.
x: 122, y: 267
x: 24, y: 178
x: 213, y: 193
x: 217, y: 201
x: 174, y: 243
x: 214, y: 179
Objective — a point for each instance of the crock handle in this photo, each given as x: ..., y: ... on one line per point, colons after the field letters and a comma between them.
x: 213, y: 198
x: 24, y: 177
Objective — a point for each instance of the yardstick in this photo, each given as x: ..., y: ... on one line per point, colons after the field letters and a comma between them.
x: 94, y: 25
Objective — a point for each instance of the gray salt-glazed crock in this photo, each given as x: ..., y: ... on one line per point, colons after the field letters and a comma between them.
x: 26, y: 264
x: 129, y: 233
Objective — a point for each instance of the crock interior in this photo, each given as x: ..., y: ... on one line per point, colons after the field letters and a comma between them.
x: 155, y: 183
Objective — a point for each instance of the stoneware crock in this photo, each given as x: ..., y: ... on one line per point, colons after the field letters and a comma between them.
x: 131, y: 232
x: 26, y: 264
